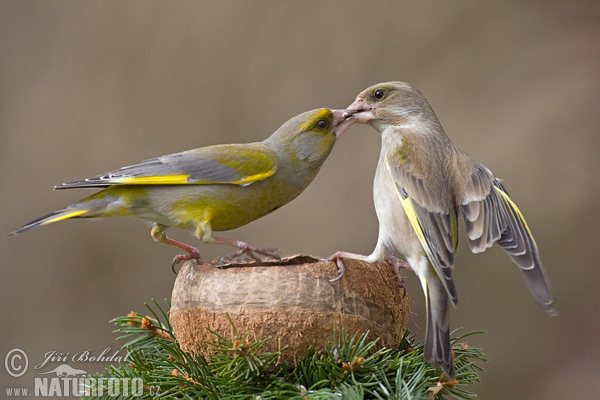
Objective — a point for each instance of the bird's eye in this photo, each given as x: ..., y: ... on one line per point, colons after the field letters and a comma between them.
x: 322, y: 124
x: 379, y: 93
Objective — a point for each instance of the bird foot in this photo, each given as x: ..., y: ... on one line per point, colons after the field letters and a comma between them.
x: 398, y: 265
x: 250, y: 251
x: 338, y: 257
x: 192, y: 254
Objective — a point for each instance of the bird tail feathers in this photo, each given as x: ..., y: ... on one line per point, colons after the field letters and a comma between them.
x: 48, y: 219
x: 438, y: 349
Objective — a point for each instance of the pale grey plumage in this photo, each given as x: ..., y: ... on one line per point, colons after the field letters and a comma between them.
x: 422, y: 183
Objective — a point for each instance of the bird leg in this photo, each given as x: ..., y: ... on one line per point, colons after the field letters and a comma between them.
x: 245, y: 248
x: 398, y: 264
x: 192, y: 253
x: 339, y: 256
x: 160, y: 236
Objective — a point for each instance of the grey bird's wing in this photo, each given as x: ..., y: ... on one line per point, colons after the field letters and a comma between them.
x: 239, y: 164
x: 434, y: 222
x: 491, y: 216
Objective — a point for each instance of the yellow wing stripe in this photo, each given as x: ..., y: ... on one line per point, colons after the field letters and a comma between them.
x: 508, y: 203
x: 409, y: 210
x: 62, y: 216
x: 183, y: 180
x: 255, y: 177
x: 150, y: 180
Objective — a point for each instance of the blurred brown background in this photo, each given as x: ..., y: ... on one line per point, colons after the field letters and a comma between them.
x: 89, y: 87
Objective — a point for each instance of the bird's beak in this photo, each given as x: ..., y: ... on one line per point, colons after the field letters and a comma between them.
x: 342, y: 120
x: 360, y: 111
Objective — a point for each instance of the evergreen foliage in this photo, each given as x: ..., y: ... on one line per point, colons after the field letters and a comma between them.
x: 347, y: 368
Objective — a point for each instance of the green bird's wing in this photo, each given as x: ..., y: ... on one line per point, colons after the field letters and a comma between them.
x: 238, y: 164
x: 434, y: 222
x: 491, y: 216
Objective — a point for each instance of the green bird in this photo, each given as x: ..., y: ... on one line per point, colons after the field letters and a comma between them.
x: 422, y: 184
x: 214, y: 188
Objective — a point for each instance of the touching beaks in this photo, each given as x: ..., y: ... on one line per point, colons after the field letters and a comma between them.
x: 360, y: 111
x: 342, y: 120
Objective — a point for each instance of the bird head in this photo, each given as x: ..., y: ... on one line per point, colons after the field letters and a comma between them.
x: 310, y: 136
x: 389, y: 104
x: 324, y: 121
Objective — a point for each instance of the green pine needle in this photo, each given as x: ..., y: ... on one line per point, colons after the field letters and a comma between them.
x: 347, y: 367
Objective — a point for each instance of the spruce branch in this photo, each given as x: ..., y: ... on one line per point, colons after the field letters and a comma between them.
x: 346, y: 368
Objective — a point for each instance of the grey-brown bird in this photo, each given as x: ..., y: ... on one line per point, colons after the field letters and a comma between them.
x: 422, y: 184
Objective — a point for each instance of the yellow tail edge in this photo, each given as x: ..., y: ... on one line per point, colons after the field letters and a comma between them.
x: 48, y: 219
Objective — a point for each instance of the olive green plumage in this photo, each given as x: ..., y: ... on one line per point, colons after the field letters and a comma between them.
x: 422, y: 184
x: 213, y: 188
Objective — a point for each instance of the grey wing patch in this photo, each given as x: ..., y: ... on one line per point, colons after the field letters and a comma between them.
x: 436, y: 221
x: 196, y: 170
x: 221, y: 164
x: 200, y: 169
x: 491, y: 216
x: 480, y: 210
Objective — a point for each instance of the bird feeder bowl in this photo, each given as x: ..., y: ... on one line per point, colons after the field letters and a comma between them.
x: 292, y: 301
